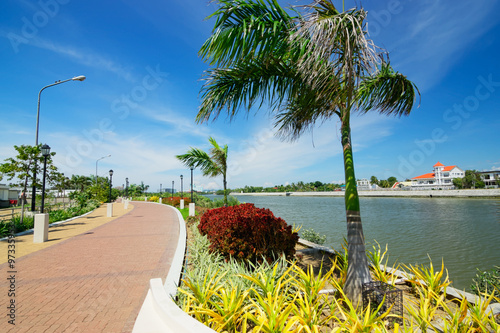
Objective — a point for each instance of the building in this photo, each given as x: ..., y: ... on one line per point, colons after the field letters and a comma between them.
x: 490, y: 178
x: 441, y: 178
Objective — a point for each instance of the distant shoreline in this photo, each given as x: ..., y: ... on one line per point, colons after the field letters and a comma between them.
x: 480, y: 193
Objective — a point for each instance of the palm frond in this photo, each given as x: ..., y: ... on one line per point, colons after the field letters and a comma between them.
x: 388, y: 92
x: 197, y: 158
x: 246, y: 29
x: 246, y: 84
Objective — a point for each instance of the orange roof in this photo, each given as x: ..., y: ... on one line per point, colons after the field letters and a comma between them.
x: 449, y: 168
x: 438, y: 164
x: 427, y: 175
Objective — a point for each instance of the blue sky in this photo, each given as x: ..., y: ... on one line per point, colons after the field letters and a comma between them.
x: 141, y: 94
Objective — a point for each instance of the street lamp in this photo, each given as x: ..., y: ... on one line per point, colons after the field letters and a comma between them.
x: 126, y: 187
x: 76, y: 78
x: 96, y: 170
x: 181, y: 187
x: 45, y: 154
x: 110, y: 183
x: 192, y: 185
x: 172, y: 189
x: 160, y: 190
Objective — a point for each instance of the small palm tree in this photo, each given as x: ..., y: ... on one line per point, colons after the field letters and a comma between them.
x: 213, y: 164
x: 309, y: 69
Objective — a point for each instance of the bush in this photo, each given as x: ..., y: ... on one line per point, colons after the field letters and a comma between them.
x: 314, y: 236
x: 175, y: 201
x: 248, y: 233
x: 486, y: 282
x: 154, y: 198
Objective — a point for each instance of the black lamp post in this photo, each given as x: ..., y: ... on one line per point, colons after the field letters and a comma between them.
x: 160, y: 189
x: 172, y: 189
x: 181, y: 187
x: 126, y: 187
x: 110, y: 183
x: 45, y: 154
x: 192, y: 185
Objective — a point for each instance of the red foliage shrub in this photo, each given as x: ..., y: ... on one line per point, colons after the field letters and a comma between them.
x: 176, y: 201
x: 247, y: 232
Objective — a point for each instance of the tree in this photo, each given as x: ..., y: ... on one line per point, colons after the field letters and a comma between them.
x: 457, y: 182
x: 308, y: 69
x: 22, y: 167
x: 392, y: 181
x: 472, y: 179
x: 212, y: 164
x: 374, y: 180
x: 79, y: 182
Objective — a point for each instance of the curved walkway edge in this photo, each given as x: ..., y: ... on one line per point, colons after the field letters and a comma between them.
x: 159, y: 313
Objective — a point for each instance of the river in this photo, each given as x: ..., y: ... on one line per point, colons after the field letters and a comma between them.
x: 464, y: 233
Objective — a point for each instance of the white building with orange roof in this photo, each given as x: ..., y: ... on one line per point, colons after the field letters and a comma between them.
x: 441, y: 178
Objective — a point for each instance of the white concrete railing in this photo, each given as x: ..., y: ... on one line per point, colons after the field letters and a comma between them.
x: 159, y: 313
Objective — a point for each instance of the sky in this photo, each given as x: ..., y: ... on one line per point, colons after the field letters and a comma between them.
x: 143, y: 79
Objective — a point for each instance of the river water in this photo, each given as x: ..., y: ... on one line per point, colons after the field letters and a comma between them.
x: 464, y: 233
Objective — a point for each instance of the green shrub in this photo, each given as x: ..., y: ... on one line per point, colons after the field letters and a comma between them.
x: 486, y: 282
x: 314, y: 236
x: 248, y: 233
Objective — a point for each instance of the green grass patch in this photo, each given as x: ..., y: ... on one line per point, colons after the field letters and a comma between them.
x: 184, y: 212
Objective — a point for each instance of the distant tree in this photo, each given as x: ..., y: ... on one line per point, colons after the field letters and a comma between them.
x: 80, y: 183
x: 392, y: 181
x: 212, y: 164
x: 472, y: 179
x: 457, y: 182
x: 374, y: 180
x: 384, y: 183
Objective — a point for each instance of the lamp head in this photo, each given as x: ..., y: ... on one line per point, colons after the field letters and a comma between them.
x: 45, y: 150
x: 181, y: 176
x: 79, y: 78
x: 111, y: 172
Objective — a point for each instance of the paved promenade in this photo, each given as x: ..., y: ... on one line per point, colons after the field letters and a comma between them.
x: 93, y: 274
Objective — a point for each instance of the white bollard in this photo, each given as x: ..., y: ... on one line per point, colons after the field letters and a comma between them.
x: 41, y: 233
x: 159, y: 200
x: 182, y: 204
x: 191, y: 209
x: 110, y: 210
x: 125, y: 204
x: 145, y: 198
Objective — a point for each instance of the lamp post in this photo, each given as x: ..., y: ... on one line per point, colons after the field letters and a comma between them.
x: 126, y: 187
x: 160, y: 190
x: 96, y: 171
x: 45, y: 154
x: 172, y: 189
x: 192, y: 185
x: 181, y: 188
x: 33, y: 193
x: 110, y: 183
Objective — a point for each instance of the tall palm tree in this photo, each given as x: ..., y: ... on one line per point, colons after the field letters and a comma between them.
x: 308, y: 68
x: 212, y: 164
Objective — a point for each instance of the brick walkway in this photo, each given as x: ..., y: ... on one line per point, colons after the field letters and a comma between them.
x: 95, y: 281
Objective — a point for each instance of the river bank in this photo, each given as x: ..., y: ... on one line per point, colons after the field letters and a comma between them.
x: 478, y: 193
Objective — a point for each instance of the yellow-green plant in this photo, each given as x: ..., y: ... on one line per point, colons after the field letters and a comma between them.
x: 273, y: 301
x: 429, y: 281
x: 310, y: 304
x: 154, y: 198
x: 227, y: 310
x: 354, y: 319
x: 423, y: 310
x: 481, y: 314
x: 379, y: 259
x: 456, y: 320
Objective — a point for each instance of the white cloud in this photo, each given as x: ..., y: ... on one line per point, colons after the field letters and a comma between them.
x: 84, y: 57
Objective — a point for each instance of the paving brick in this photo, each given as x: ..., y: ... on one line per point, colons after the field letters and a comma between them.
x: 94, y: 280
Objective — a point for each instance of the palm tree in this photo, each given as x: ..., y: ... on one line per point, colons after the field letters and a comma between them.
x: 309, y: 69
x: 212, y: 165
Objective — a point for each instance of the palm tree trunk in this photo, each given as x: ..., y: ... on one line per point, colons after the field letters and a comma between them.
x: 358, y: 271
x: 225, y: 190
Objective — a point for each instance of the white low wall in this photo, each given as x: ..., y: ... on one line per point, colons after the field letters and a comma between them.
x: 159, y: 313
